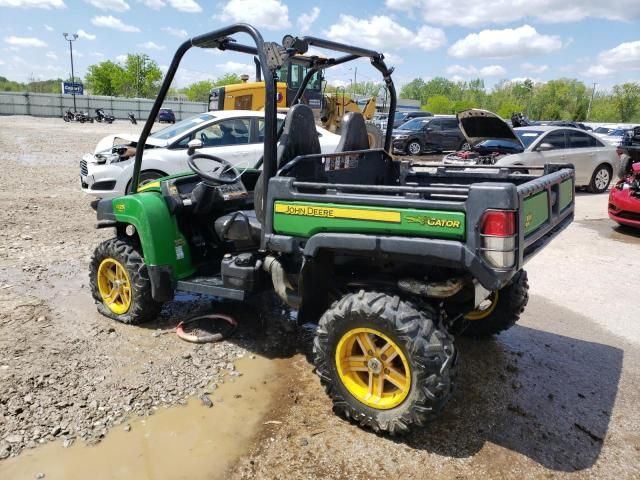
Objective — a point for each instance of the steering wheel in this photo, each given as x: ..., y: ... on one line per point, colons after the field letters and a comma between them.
x: 225, y: 173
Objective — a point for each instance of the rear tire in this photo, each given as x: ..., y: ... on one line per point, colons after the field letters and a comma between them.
x: 414, y: 382
x: 601, y: 179
x: 374, y: 134
x: 138, y: 306
x: 507, y: 304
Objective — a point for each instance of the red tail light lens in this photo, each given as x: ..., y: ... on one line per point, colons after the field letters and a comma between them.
x: 498, y: 223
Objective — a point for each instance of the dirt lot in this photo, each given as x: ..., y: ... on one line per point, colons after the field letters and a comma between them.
x: 555, y: 396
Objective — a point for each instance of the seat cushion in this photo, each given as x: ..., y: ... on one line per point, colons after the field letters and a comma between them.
x: 239, y: 226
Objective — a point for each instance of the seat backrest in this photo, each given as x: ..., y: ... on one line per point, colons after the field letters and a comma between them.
x: 299, y: 136
x: 353, y: 136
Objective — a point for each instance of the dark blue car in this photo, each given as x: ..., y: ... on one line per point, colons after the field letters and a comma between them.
x: 166, y: 115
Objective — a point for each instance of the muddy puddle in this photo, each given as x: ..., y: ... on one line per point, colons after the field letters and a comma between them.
x: 608, y: 229
x: 191, y: 442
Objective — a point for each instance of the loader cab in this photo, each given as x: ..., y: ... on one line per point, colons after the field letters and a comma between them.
x: 250, y: 95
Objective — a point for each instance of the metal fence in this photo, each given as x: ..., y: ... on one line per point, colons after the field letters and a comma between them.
x: 55, y: 105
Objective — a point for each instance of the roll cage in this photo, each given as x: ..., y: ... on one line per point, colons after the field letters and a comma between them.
x: 271, y: 56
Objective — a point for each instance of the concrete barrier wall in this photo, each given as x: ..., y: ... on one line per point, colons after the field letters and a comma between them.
x: 54, y: 105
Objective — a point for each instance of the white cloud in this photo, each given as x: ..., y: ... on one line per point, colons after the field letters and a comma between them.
x: 154, y: 4
x: 24, y: 41
x: 392, y: 59
x: 622, y: 58
x: 176, y: 32
x: 493, y: 71
x: 48, y: 28
x: 462, y: 70
x: 269, y: 14
x: 151, y: 46
x: 339, y: 83
x: 510, y: 42
x: 52, y: 56
x: 1, y: 62
x: 97, y: 54
x: 46, y: 4
x: 382, y: 32
x: 236, y: 67
x: 457, y: 78
x: 305, y: 20
x: 459, y: 72
x: 530, y: 67
x: 121, y: 58
x: 109, y: 21
x: 86, y: 35
x: 188, y: 6
x: 110, y: 5
x: 471, y: 13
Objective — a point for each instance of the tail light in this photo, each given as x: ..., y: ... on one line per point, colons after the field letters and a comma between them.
x: 498, y: 238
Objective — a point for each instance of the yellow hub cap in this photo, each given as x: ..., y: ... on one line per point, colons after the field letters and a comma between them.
x: 373, y: 368
x: 114, y: 286
x: 485, y: 308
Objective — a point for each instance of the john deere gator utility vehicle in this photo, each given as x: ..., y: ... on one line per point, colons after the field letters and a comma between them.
x: 391, y: 260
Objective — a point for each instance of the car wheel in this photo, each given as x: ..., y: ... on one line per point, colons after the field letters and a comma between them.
x: 600, y: 179
x: 414, y: 147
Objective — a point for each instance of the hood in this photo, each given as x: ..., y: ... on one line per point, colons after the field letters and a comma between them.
x: 480, y: 125
x: 399, y: 131
x: 110, y: 140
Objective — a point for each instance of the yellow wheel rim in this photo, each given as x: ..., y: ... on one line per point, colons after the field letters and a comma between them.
x: 485, y: 308
x: 114, y: 286
x: 373, y: 368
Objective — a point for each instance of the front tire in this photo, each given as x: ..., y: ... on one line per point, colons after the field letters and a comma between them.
x: 384, y: 363
x: 147, y: 176
x: 600, y: 179
x: 414, y: 147
x: 502, y: 309
x: 120, y: 284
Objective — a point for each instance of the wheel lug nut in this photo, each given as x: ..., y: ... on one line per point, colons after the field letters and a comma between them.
x: 387, y: 371
x: 383, y: 357
x: 369, y: 352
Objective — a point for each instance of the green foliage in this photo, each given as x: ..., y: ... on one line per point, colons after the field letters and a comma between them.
x: 199, y: 91
x: 41, y: 86
x: 439, y: 104
x: 561, y: 99
x: 626, y: 99
x: 137, y: 76
x: 227, y: 79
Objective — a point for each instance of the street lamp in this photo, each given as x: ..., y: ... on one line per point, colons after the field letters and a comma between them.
x: 72, y: 38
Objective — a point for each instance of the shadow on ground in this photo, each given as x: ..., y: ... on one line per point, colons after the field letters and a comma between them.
x: 540, y: 394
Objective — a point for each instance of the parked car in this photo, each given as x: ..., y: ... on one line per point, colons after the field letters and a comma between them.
x: 166, y: 115
x: 403, y: 117
x: 234, y: 135
x: 624, y: 199
x: 428, y: 134
x: 493, y: 142
x: 615, y: 136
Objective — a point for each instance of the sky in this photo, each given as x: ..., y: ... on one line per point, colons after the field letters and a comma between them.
x: 591, y: 40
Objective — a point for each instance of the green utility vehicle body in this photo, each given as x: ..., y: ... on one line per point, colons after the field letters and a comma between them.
x: 390, y: 259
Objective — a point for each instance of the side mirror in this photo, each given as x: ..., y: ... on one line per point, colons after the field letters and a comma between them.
x: 193, y: 145
x: 545, y: 147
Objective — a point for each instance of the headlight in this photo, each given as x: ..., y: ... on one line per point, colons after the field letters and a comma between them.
x: 400, y: 137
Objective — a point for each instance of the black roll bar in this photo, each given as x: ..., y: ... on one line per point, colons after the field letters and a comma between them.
x: 219, y: 39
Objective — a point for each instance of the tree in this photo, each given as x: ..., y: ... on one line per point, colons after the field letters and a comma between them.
x: 142, y: 76
x: 413, y: 90
x: 104, y: 78
x: 199, y: 91
x: 626, y: 100
x: 227, y: 79
x: 439, y: 104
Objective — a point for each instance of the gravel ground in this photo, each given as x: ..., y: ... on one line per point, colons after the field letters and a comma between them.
x: 554, y: 396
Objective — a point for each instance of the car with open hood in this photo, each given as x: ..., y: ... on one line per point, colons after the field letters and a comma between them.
x: 493, y: 142
x: 237, y: 136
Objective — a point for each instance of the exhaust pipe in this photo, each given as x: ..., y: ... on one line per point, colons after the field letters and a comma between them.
x: 281, y: 284
x: 444, y: 289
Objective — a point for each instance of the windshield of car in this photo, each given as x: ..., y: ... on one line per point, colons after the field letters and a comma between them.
x: 602, y: 130
x: 618, y: 132
x: 415, y: 124
x: 399, y: 116
x: 181, y: 127
x: 527, y: 137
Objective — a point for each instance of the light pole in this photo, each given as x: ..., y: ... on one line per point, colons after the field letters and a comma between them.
x: 593, y: 92
x: 72, y: 38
